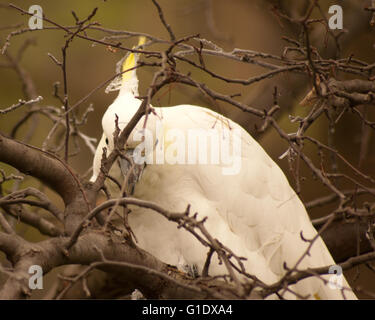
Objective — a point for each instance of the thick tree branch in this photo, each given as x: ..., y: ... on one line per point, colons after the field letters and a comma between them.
x: 42, y: 165
x: 137, y: 269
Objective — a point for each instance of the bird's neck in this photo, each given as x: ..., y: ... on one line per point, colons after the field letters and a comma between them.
x: 125, y: 105
x: 129, y: 87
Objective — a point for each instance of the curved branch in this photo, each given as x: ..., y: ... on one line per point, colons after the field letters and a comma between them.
x: 136, y: 270
x: 43, y: 225
x: 40, y: 164
x: 10, y: 244
x: 45, y: 203
x: 311, y: 272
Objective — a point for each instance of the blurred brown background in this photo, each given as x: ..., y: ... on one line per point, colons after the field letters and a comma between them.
x: 230, y: 24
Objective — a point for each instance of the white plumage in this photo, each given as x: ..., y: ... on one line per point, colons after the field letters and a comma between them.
x: 254, y: 212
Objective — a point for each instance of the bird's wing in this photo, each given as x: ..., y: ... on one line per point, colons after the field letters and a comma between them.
x: 258, y: 204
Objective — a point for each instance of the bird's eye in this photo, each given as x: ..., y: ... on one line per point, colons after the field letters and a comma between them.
x: 106, y: 141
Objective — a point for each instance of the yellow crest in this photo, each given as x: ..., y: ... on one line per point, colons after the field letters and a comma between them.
x: 131, y: 61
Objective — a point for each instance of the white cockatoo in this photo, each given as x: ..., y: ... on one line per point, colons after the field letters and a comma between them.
x: 198, y: 157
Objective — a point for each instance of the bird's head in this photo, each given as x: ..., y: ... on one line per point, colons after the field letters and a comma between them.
x: 123, y: 108
x: 127, y: 103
